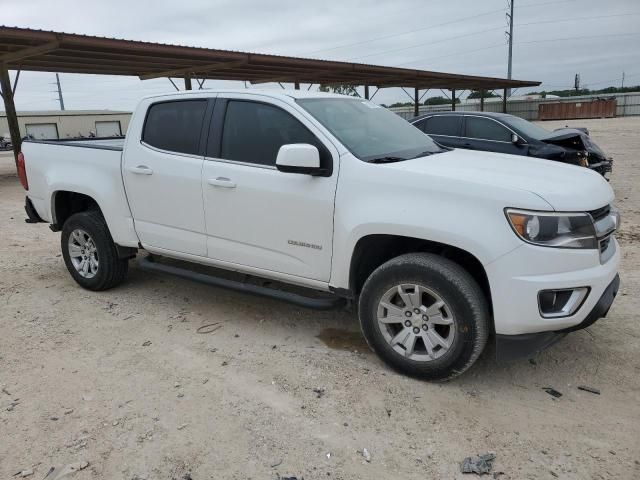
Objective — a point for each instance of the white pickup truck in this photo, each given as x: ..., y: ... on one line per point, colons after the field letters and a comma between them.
x: 437, y: 248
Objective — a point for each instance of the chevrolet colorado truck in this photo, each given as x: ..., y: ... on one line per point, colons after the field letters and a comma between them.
x: 437, y: 248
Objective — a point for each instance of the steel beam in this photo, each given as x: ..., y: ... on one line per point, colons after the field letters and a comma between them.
x: 366, y: 92
x: 504, y: 101
x: 10, y: 109
x: 28, y: 52
x: 482, y: 100
x: 213, y: 67
x: 297, y: 85
x: 453, y: 100
x: 187, y: 82
x: 416, y: 102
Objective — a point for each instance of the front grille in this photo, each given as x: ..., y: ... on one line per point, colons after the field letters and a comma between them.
x: 600, y: 213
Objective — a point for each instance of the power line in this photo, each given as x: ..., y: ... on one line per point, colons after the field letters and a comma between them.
x: 395, y: 50
x: 496, y: 45
x: 471, y: 17
x: 404, y: 33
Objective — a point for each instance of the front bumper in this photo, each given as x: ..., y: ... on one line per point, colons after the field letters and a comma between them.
x: 514, y: 347
x: 516, y: 279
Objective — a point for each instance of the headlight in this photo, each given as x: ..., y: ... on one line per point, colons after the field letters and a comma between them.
x: 549, y: 229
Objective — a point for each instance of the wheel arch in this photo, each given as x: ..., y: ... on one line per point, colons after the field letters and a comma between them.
x: 65, y: 203
x: 371, y: 251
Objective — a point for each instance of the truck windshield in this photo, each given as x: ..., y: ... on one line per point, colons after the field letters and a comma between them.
x: 372, y: 133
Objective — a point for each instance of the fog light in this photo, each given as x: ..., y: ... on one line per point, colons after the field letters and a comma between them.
x: 561, y: 302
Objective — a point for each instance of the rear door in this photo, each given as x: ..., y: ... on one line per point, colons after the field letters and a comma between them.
x: 483, y: 133
x: 444, y: 129
x: 162, y: 173
x: 256, y: 215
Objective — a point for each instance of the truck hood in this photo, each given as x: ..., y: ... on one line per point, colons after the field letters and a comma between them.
x: 564, y: 187
x: 574, y: 139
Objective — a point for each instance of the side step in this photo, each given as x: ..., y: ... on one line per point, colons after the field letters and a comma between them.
x: 327, y: 303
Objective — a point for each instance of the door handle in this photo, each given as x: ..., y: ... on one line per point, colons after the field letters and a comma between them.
x: 223, y: 182
x: 141, y: 170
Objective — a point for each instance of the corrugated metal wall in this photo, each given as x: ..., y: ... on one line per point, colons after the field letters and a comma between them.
x: 627, y: 104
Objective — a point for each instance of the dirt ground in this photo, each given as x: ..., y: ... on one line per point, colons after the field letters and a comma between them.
x: 123, y: 379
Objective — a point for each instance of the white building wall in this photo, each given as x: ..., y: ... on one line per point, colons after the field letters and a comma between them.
x: 70, y: 123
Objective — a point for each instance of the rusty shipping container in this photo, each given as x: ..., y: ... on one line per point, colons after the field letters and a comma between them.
x: 597, y: 108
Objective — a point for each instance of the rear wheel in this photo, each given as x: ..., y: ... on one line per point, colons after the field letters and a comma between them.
x: 89, y: 252
x: 425, y: 316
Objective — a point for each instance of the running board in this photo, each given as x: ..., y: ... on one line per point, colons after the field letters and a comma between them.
x: 147, y: 263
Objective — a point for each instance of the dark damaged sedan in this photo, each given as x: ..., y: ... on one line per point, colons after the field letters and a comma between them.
x: 499, y: 132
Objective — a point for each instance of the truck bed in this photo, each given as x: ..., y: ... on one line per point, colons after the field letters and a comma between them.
x: 107, y: 143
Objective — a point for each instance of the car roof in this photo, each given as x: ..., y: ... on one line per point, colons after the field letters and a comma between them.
x: 282, y: 94
x: 504, y: 116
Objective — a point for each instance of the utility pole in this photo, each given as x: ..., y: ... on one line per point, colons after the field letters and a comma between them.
x: 576, y: 82
x: 60, y: 99
x: 510, y: 35
x: 622, y: 84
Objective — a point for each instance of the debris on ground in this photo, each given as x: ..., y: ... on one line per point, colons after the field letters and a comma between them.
x: 183, y: 426
x: 277, y: 464
x: 209, y: 328
x: 319, y: 392
x: 553, y: 392
x: 479, y: 464
x: 366, y: 455
x: 589, y: 389
x: 12, y: 405
x: 24, y: 473
x: 61, y: 472
x: 532, y: 361
x: 389, y: 412
x: 224, y: 363
x: 147, y: 343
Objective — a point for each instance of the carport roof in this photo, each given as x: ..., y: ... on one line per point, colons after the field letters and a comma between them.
x: 47, y: 51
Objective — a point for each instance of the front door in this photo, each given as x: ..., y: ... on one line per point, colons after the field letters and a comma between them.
x: 483, y: 133
x: 256, y: 215
x: 162, y: 173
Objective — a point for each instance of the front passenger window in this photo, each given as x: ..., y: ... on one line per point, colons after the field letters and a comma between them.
x: 485, y: 129
x: 254, y: 132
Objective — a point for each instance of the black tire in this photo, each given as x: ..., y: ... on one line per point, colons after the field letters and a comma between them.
x: 456, y: 288
x: 111, y: 270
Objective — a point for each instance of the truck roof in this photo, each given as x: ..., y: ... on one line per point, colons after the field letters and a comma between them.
x: 274, y: 93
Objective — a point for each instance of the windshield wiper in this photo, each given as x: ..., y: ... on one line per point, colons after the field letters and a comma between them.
x: 386, y: 159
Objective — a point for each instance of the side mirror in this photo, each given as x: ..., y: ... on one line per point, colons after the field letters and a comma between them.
x: 299, y: 158
x: 515, y: 138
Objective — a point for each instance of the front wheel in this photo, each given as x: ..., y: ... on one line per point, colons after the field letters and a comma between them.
x: 89, y: 252
x: 424, y: 315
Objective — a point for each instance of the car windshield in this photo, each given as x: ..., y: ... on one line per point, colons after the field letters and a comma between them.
x: 528, y: 129
x: 371, y: 132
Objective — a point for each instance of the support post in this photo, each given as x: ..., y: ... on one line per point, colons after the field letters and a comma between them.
x: 187, y: 82
x: 416, y: 102
x: 297, y: 85
x: 453, y: 100
x: 10, y: 109
x: 482, y: 100
x: 366, y: 92
x: 504, y: 101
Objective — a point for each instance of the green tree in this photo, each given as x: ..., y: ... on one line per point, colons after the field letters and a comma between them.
x: 440, y: 100
x: 476, y: 94
x: 340, y: 89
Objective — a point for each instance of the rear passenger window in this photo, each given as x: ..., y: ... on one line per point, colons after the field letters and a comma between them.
x: 175, y: 126
x: 486, y: 129
x: 443, y: 125
x: 254, y: 132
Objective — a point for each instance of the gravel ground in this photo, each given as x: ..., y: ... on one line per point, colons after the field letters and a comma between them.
x: 123, y: 380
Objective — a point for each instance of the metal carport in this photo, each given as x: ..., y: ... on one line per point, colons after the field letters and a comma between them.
x: 24, y: 49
